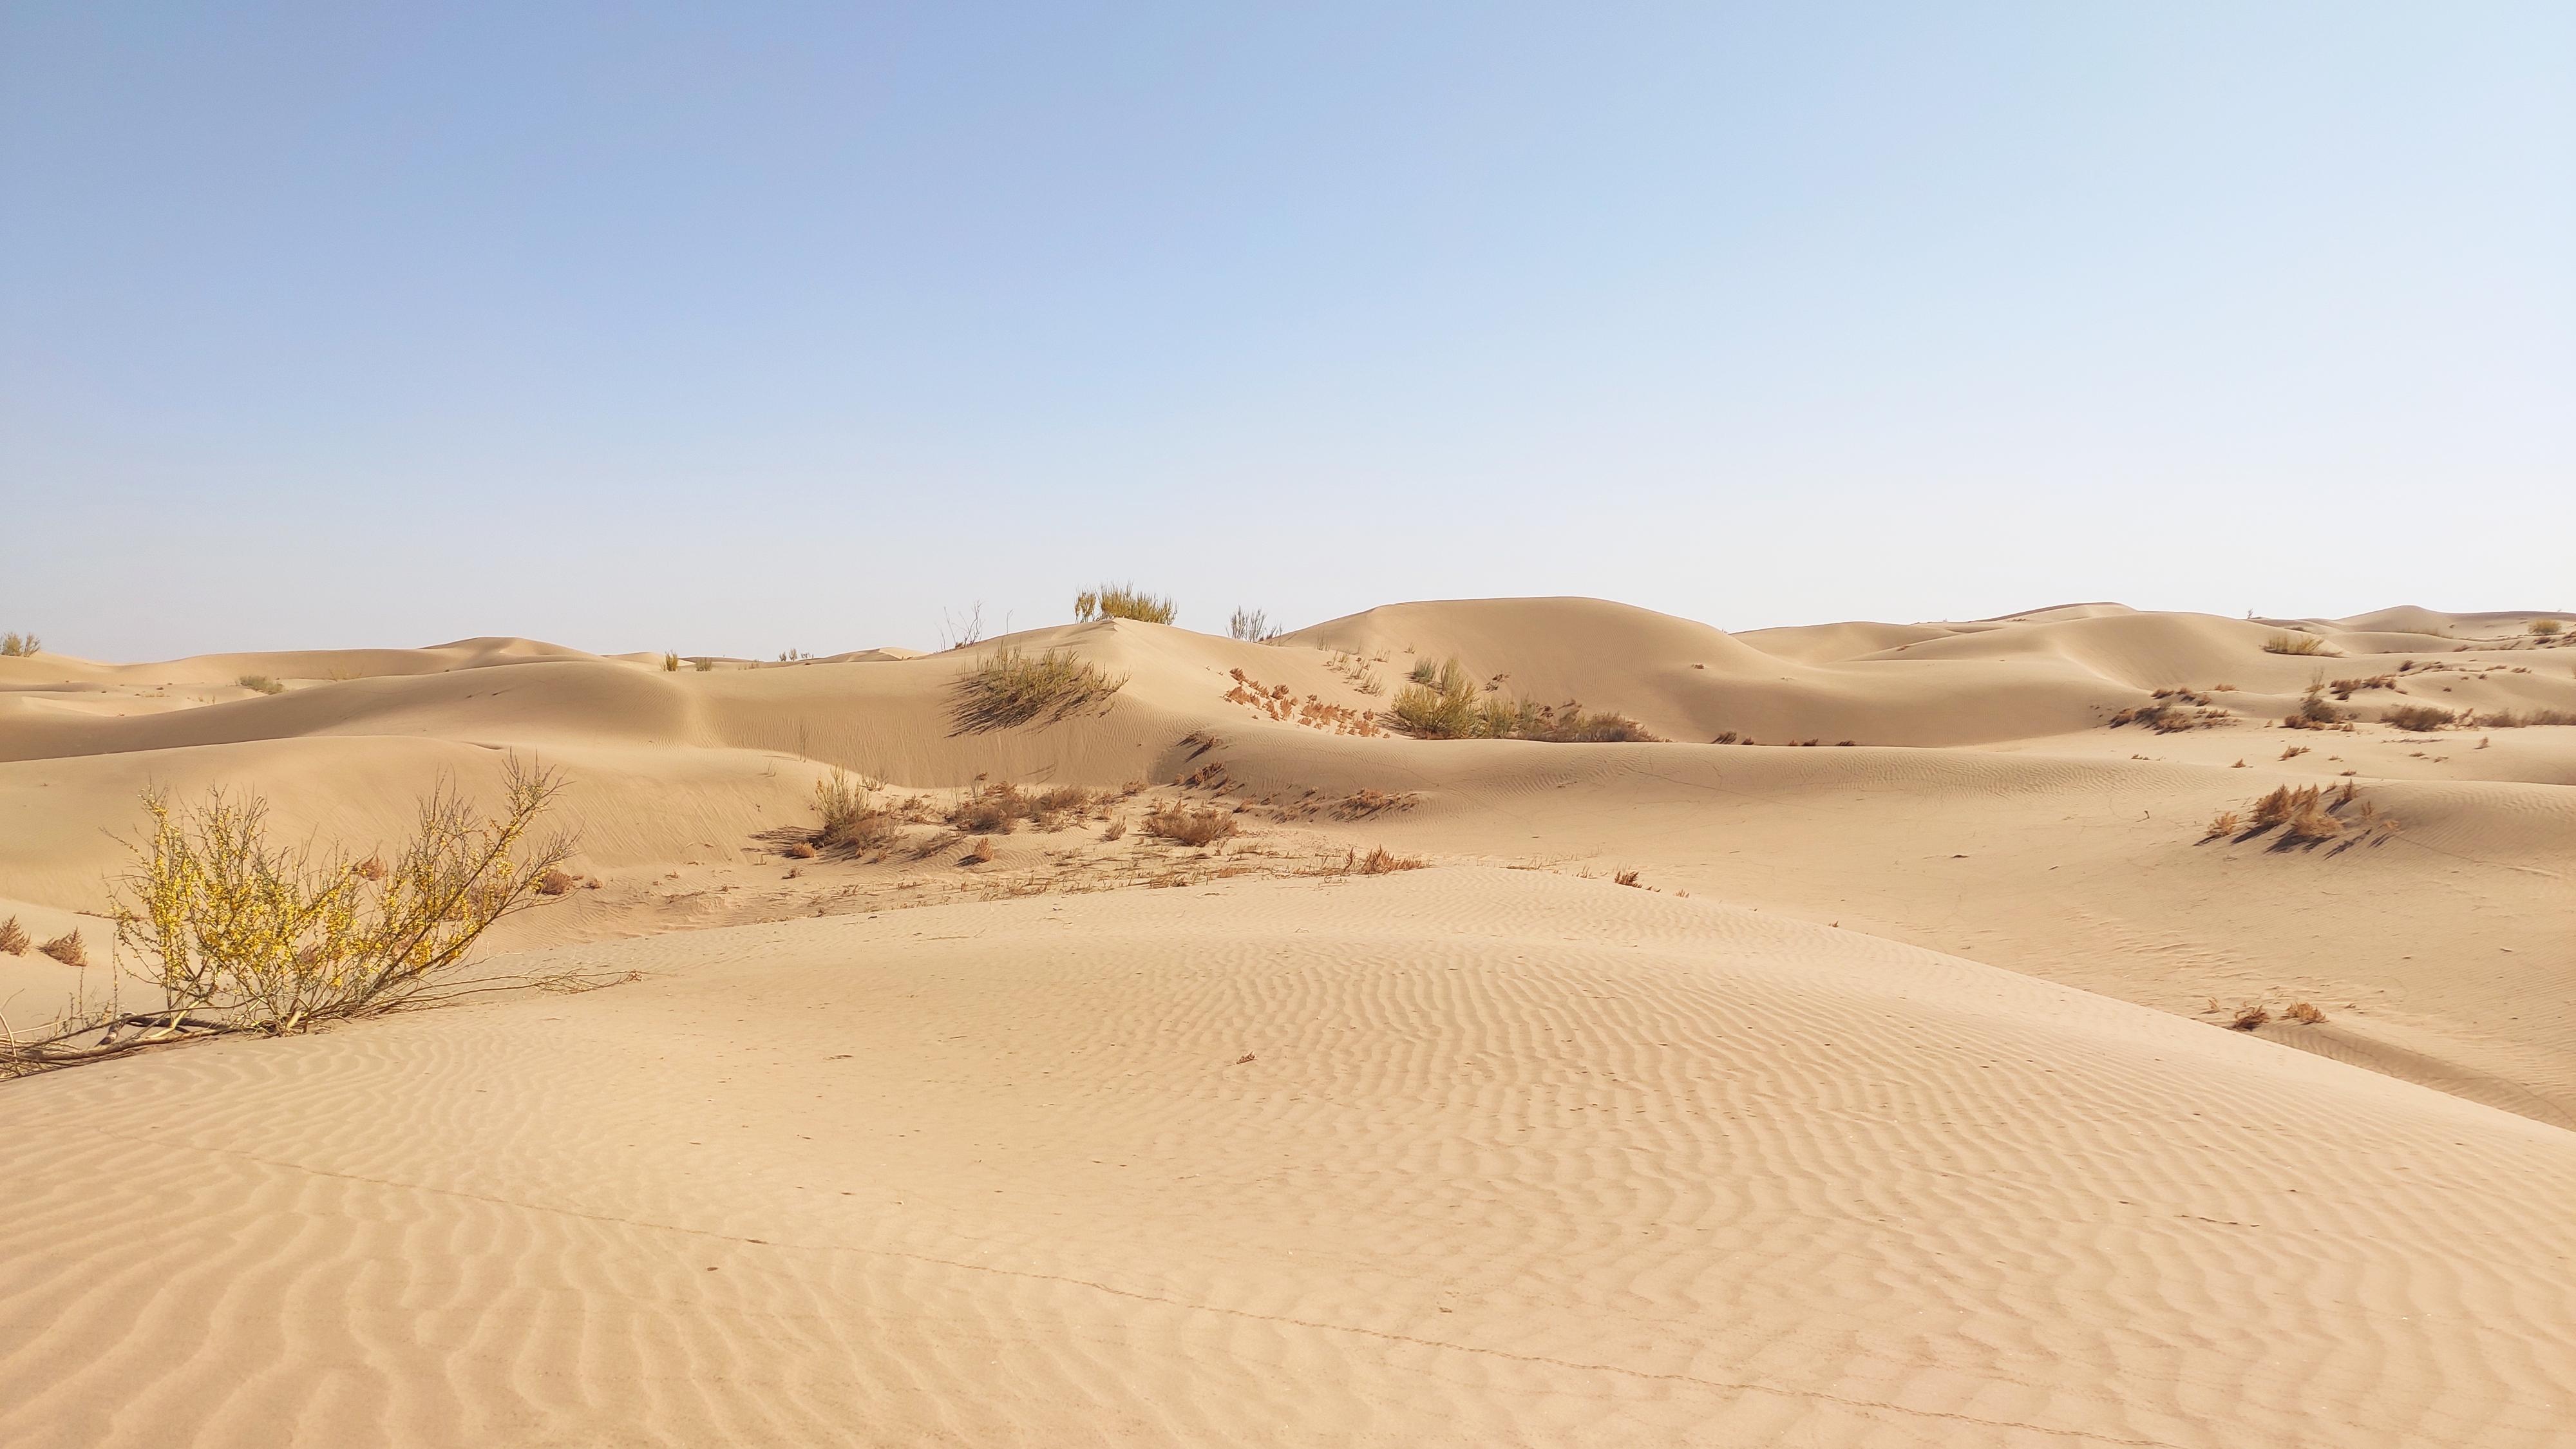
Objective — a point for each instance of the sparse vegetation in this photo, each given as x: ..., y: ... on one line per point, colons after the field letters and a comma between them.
x: 557, y: 882
x: 2313, y: 713
x: 1627, y: 878
x: 2249, y: 1016
x: 1381, y: 862
x: 1191, y: 827
x: 1451, y: 706
x: 2172, y: 710
x: 853, y: 820
x: 14, y: 645
x: 2304, y: 1013
x: 1252, y: 626
x: 2286, y: 642
x: 13, y: 938
x: 1123, y: 601
x: 2228, y: 822
x: 1424, y: 672
x: 670, y: 662
x: 2418, y: 717
x: 2546, y: 628
x: 2505, y: 719
x: 260, y: 683
x: 1009, y: 687
x: 238, y: 933
x: 705, y: 666
x: 982, y: 854
x: 68, y: 948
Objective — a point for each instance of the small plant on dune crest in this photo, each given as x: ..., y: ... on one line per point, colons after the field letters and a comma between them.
x: 2285, y: 642
x: 13, y: 938
x: 2304, y: 1013
x: 1123, y: 601
x: 68, y: 948
x: 1191, y: 827
x: 1008, y: 688
x: 240, y: 934
x: 2249, y: 1016
x: 260, y: 682
x: 14, y: 645
x: 670, y: 662
x: 1252, y: 626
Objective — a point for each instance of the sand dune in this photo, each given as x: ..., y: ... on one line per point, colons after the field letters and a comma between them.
x: 1890, y: 1110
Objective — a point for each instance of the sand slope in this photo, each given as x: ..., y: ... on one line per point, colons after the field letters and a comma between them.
x: 1513, y: 1159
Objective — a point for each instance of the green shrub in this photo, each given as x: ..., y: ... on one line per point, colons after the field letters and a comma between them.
x: 1450, y: 706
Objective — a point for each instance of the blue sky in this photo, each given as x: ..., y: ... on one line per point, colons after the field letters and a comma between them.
x: 737, y: 328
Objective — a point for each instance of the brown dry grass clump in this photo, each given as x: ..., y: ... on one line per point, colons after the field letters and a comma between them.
x: 2419, y: 717
x: 1382, y: 862
x: 1447, y: 704
x: 2546, y: 628
x: 2286, y: 642
x: 982, y: 854
x: 2304, y: 1013
x: 1123, y: 601
x: 2314, y: 713
x: 2228, y: 822
x: 2249, y: 1016
x: 1008, y: 688
x: 68, y: 948
x: 1191, y: 827
x: 1626, y: 878
x: 557, y: 883
x: 2506, y: 719
x: 13, y: 938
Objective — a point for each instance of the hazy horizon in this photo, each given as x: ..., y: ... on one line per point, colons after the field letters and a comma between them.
x: 733, y: 333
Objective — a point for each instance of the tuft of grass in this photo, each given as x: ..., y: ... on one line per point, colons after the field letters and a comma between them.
x: 14, y: 645
x: 2546, y: 628
x: 2227, y: 822
x: 2249, y: 1016
x: 802, y: 850
x: 1123, y: 601
x: 1252, y: 626
x: 2285, y: 642
x: 670, y: 662
x: 1450, y: 705
x: 2304, y: 1013
x: 1424, y: 672
x: 13, y: 938
x: 68, y: 948
x: 1117, y: 830
x: 705, y: 666
x: 1381, y: 862
x: 1627, y: 878
x: 852, y: 818
x: 2506, y: 719
x: 2418, y: 717
x: 2313, y: 712
x: 1009, y: 687
x: 1191, y: 827
x: 557, y: 882
x: 982, y: 854
x: 260, y: 682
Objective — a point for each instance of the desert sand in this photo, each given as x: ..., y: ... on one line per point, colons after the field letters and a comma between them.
x: 1880, y: 1090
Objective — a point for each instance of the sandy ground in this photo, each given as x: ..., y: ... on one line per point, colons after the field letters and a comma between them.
x: 1893, y: 1105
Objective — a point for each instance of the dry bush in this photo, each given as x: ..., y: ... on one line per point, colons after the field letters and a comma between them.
x: 1626, y: 878
x: 2309, y: 820
x: 2314, y: 713
x: 992, y: 810
x: 1252, y: 626
x: 670, y: 662
x: 1191, y: 827
x: 557, y: 883
x: 1123, y: 601
x: 238, y: 933
x: 2304, y: 1013
x: 801, y: 850
x: 705, y: 666
x: 2172, y: 711
x: 1451, y: 706
x: 14, y: 645
x: 2418, y: 717
x: 1008, y: 688
x: 2227, y: 822
x: 1380, y: 862
x: 852, y: 818
x: 13, y: 938
x: 2292, y: 752
x: 2249, y: 1016
x: 1117, y: 830
x: 982, y: 853
x: 2510, y: 720
x: 260, y: 682
x: 2286, y: 642
x: 68, y: 948
x: 2545, y: 628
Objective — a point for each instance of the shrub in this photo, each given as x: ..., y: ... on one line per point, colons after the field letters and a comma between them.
x: 260, y: 682
x: 1123, y: 601
x: 1443, y: 707
x: 2509, y: 720
x: 13, y: 938
x: 2226, y: 823
x: 1008, y: 688
x: 1380, y: 862
x: 1424, y: 672
x: 557, y: 883
x: 2545, y: 628
x: 705, y: 666
x: 2313, y: 712
x: 2304, y: 1013
x: 982, y: 853
x: 1627, y: 878
x: 20, y: 646
x: 2418, y: 717
x: 670, y: 662
x: 2288, y: 643
x: 1191, y: 827
x: 852, y: 820
x: 2249, y: 1016
x: 68, y: 948
x: 1451, y: 706
x: 248, y: 935
x: 1252, y: 626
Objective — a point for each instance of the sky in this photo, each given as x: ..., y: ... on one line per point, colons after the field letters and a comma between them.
x: 740, y: 328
